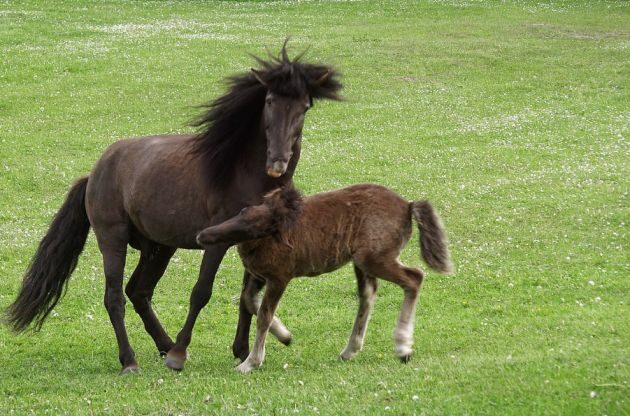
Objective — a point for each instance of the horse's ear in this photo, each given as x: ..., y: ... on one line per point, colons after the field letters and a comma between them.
x: 258, y: 75
x: 323, y: 82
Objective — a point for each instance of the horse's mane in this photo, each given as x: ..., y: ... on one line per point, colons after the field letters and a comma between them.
x: 231, y: 121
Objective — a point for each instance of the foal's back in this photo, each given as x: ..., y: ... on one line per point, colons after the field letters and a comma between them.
x: 336, y: 227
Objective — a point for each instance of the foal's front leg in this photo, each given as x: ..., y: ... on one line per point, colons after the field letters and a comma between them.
x: 265, y: 316
x: 248, y: 306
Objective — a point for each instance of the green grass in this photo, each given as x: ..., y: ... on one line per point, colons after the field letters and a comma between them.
x: 511, y: 117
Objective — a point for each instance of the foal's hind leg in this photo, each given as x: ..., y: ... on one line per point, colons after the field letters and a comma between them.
x: 366, y: 286
x: 248, y: 306
x: 153, y: 262
x: 410, y: 280
x: 113, y: 246
x: 263, y: 322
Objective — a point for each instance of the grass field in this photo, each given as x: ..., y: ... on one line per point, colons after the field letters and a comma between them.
x: 511, y: 117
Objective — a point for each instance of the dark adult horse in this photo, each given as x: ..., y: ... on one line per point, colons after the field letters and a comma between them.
x: 156, y: 193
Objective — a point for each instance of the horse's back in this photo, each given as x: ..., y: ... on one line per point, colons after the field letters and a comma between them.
x: 153, y: 183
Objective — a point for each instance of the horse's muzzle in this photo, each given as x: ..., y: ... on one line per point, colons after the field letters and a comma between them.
x: 277, y: 169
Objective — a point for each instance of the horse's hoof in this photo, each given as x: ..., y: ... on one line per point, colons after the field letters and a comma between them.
x: 175, y: 361
x: 164, y: 347
x: 286, y: 341
x: 346, y: 357
x: 240, y: 353
x: 130, y: 369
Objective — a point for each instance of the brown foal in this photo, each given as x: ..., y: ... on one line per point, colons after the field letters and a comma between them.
x: 287, y: 236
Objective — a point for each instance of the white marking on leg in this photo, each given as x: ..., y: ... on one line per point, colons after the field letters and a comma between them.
x: 366, y: 301
x: 257, y: 354
x: 403, y: 334
x: 263, y: 322
x: 252, y: 304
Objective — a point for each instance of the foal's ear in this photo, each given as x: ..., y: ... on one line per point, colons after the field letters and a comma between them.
x: 274, y: 198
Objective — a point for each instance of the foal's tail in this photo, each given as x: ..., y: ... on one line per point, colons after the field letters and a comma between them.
x: 433, y: 243
x: 46, y: 278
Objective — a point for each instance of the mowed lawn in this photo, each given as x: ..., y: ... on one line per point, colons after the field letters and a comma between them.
x: 511, y: 117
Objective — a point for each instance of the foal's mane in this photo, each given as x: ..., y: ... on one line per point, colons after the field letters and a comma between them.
x: 231, y: 121
x: 286, y: 206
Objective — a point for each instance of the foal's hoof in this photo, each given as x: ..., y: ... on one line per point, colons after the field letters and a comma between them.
x: 246, y: 367
x: 174, y: 360
x: 130, y: 369
x: 405, y: 358
x: 286, y: 341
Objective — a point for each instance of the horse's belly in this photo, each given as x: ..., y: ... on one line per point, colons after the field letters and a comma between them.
x: 172, y: 229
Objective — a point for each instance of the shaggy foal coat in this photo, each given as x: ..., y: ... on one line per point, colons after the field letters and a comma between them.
x: 287, y: 236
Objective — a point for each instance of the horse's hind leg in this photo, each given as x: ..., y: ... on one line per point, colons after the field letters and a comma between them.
x: 410, y: 280
x: 153, y: 261
x: 263, y: 322
x: 113, y: 246
x: 366, y: 289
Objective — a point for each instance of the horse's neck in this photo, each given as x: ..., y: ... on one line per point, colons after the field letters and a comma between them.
x: 251, y: 182
x: 253, y: 174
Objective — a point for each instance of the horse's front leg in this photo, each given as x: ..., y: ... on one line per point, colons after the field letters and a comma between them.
x: 199, y: 297
x: 266, y: 312
x: 248, y: 306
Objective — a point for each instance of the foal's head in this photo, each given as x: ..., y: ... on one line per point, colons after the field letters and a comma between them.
x: 278, y: 211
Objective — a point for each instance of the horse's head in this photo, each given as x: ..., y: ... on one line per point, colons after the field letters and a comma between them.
x: 279, y: 210
x: 291, y: 87
x: 283, y: 120
x: 264, y: 104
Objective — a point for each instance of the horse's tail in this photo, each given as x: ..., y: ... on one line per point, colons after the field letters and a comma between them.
x: 433, y: 242
x: 46, y: 278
